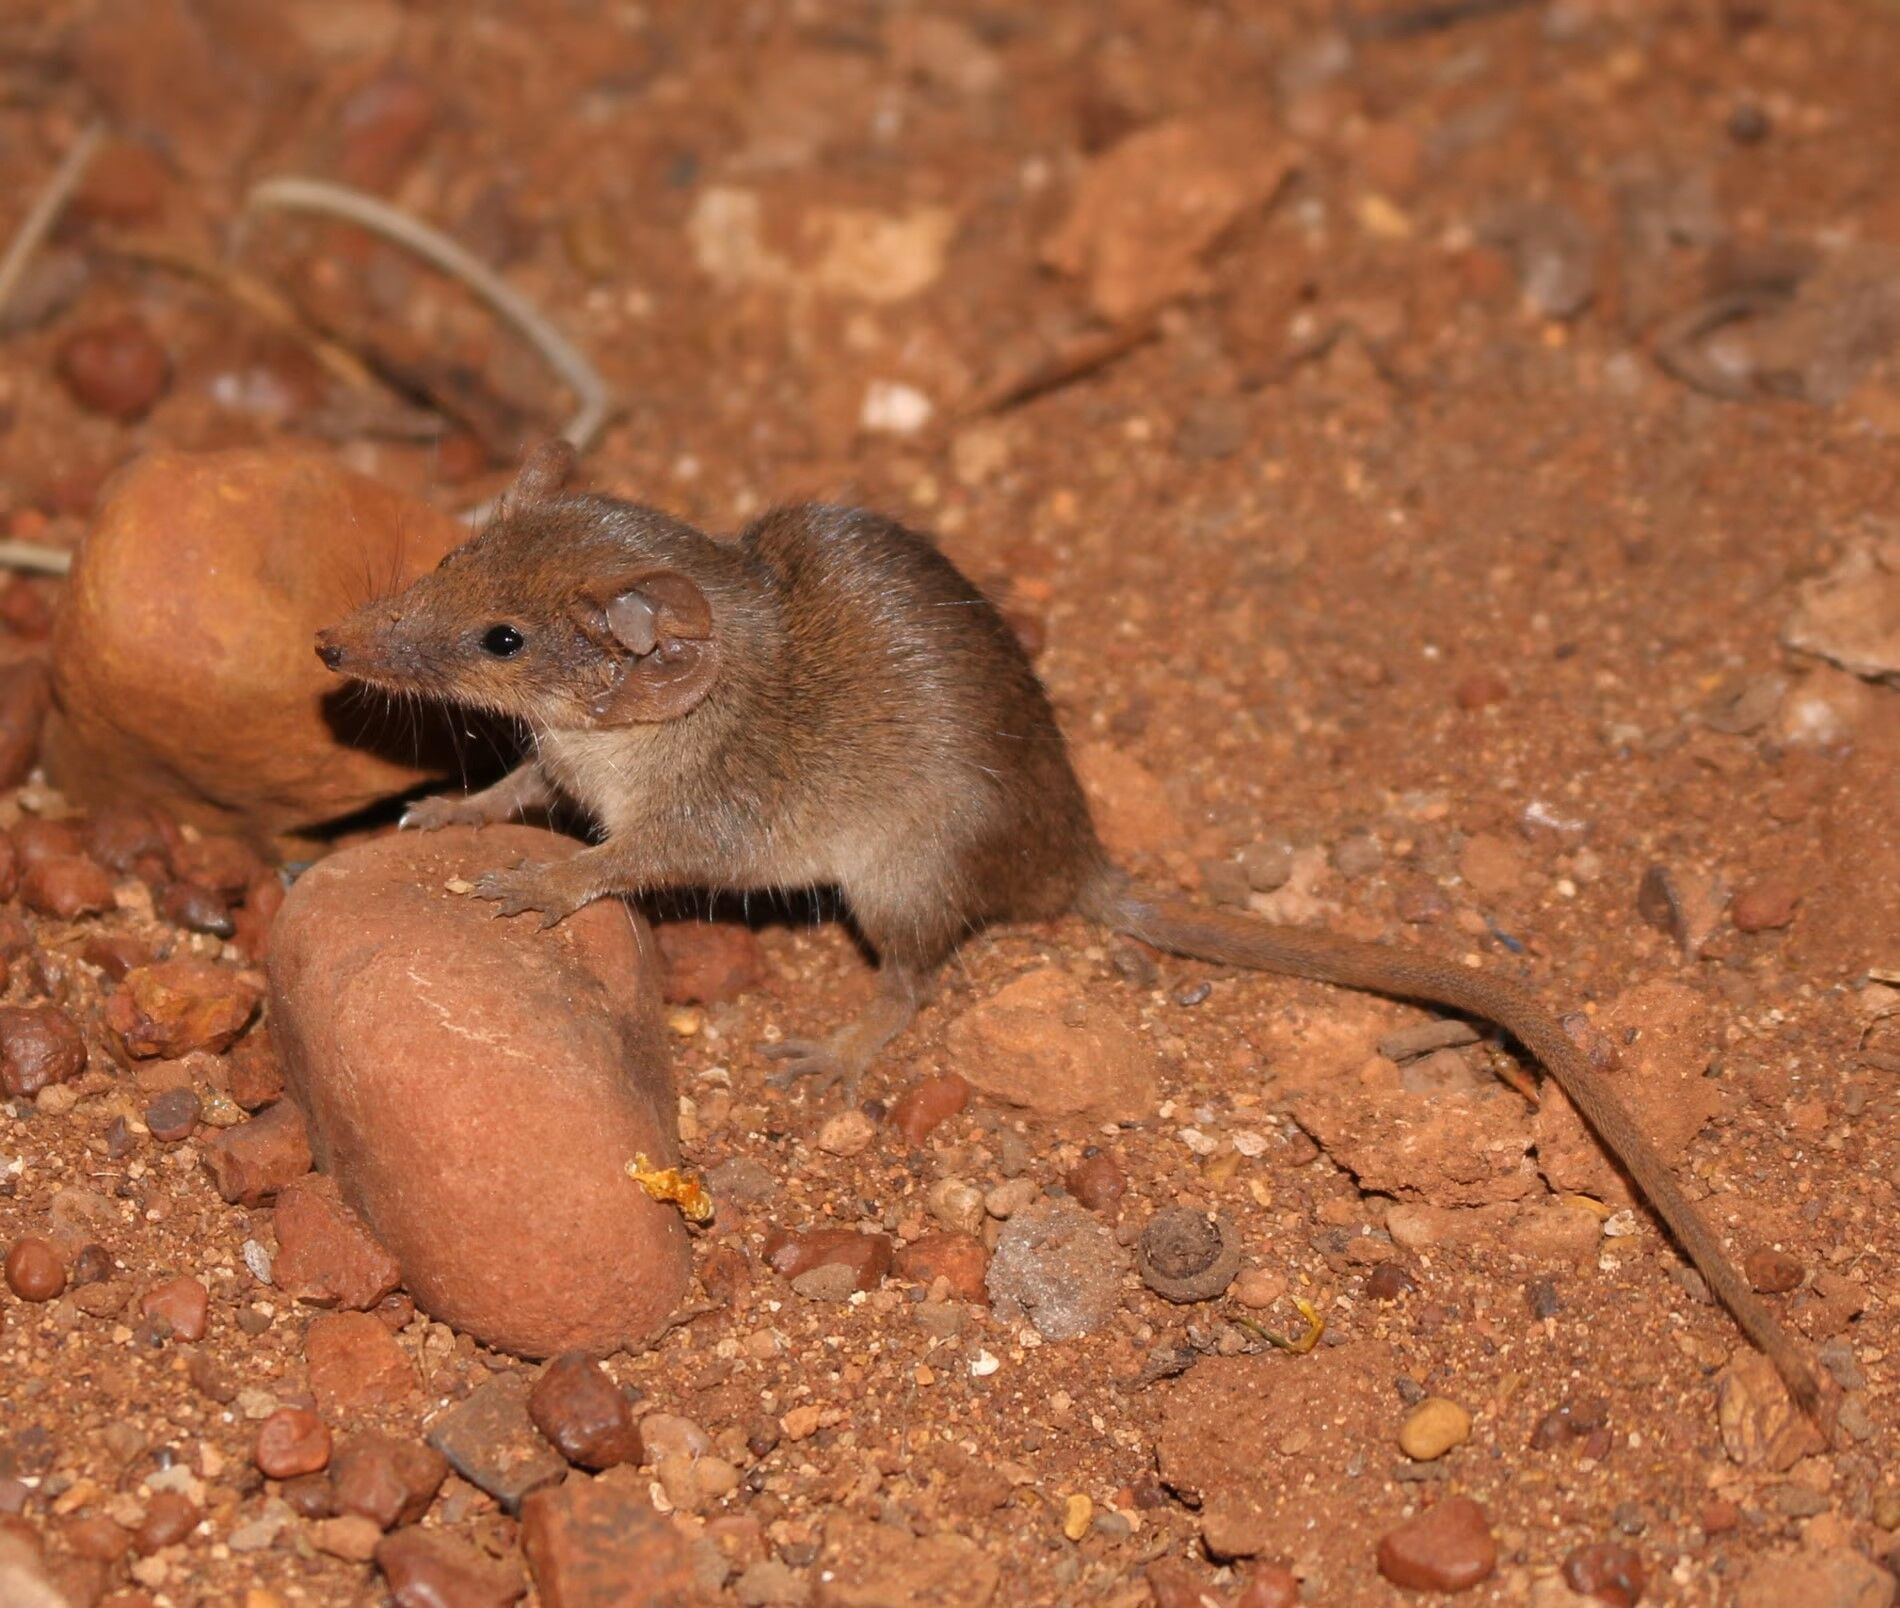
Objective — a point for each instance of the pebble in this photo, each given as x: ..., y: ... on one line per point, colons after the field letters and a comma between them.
x: 866, y: 1256
x: 1766, y: 905
x: 40, y: 1045
x: 92, y: 1265
x: 769, y: 1583
x: 849, y: 1133
x: 664, y: 1435
x: 67, y: 887
x: 708, y: 962
x: 1269, y: 1585
x: 325, y: 1252
x: 115, y: 367
x: 1388, y: 1281
x: 428, y: 1569
x: 1097, y: 1181
x: 173, y: 1115
x: 1185, y: 1255
x: 177, y: 1006
x: 1061, y: 1266
x: 1357, y: 856
x: 1267, y: 866
x: 1610, y: 1573
x: 1773, y: 1271
x: 589, y: 1541
x: 1433, y: 1428
x: 348, y: 1536
x: 356, y: 1364
x: 292, y: 1441
x: 490, y: 1440
x: 1448, y: 1547
x: 957, y: 1204
x: 583, y: 1413
x: 196, y: 909
x: 1041, y: 1043
x: 927, y: 1104
x: 251, y: 1162
x: 385, y: 1478
x: 35, y: 1270
x: 169, y: 1517
x: 1009, y: 1197
x: 958, y: 1259
x: 183, y: 1303
x: 1834, y: 1577
x: 1259, y: 1287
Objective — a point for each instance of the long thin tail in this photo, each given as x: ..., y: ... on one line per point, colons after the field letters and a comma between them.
x: 1230, y: 940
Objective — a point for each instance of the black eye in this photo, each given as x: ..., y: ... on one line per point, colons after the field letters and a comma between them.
x: 504, y: 641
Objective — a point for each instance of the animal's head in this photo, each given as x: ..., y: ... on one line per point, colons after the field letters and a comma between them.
x: 566, y: 611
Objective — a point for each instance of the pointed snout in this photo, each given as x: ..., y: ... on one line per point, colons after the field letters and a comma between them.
x: 330, y: 651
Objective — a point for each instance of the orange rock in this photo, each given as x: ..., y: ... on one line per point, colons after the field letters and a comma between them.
x: 1042, y: 1044
x: 181, y: 1005
x: 183, y: 669
x: 477, y: 1086
x: 325, y: 1254
x: 356, y: 1364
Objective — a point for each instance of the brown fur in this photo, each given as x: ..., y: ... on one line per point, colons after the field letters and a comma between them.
x: 862, y: 718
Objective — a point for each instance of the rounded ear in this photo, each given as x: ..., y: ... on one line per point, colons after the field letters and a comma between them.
x: 656, y: 631
x: 545, y: 470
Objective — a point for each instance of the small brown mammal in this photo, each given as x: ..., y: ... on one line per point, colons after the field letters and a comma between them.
x: 826, y: 701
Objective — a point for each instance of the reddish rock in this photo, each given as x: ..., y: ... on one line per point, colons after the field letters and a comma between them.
x: 584, y: 1414
x: 174, y: 1114
x: 1481, y: 689
x: 478, y: 1086
x: 35, y: 1271
x: 1607, y: 1572
x: 115, y: 954
x: 1448, y: 1547
x: 253, y: 1161
x: 170, y: 1516
x: 1042, y: 1044
x: 325, y: 1252
x: 115, y: 367
x: 427, y: 1569
x: 177, y: 1006
x: 96, y: 1537
x: 35, y: 838
x: 256, y: 1077
x: 587, y: 1539
x: 26, y: 694
x: 125, y: 184
x: 960, y: 1258
x: 1765, y: 905
x: 791, y: 1254
x: 292, y: 1441
x: 39, y: 1045
x: 182, y: 666
x: 66, y: 887
x: 196, y: 909
x: 1097, y: 1181
x: 356, y: 1364
x: 928, y: 1103
x: 350, y: 1537
x: 1270, y: 1585
x: 126, y: 837
x: 217, y: 862
x: 708, y: 962
x: 386, y: 1479
x: 1773, y: 1272
x: 183, y: 1303
x: 490, y: 1441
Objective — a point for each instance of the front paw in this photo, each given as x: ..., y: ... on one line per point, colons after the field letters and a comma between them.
x: 432, y: 814
x: 525, y: 888
x: 816, y: 1059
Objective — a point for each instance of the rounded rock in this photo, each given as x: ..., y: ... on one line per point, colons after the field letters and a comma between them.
x: 170, y: 1516
x: 35, y: 1270
x: 292, y: 1441
x: 506, y: 1203
x: 39, y: 1045
x: 115, y: 367
x: 1433, y: 1428
x: 583, y: 1414
x: 173, y: 1115
x: 927, y: 1104
x: 183, y: 1303
x: 1610, y: 1573
x: 183, y: 674
x: 1097, y: 1181
x: 1446, y: 1548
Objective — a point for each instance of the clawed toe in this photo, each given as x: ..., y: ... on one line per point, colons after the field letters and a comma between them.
x: 806, y: 1058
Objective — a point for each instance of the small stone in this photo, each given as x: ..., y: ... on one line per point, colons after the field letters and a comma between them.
x: 1761, y: 1426
x: 183, y: 1303
x: 1258, y: 1288
x: 1773, y: 1271
x: 174, y: 1115
x: 177, y: 1006
x: 1833, y: 1577
x: 292, y: 1441
x: 196, y: 909
x: 1042, y: 1044
x: 1185, y: 1255
x: 35, y: 1270
x: 1357, y: 856
x: 428, y: 1569
x: 957, y: 1204
x: 1765, y: 905
x: 1269, y: 1585
x: 1009, y: 1197
x: 356, y: 1364
x: 92, y: 1265
x: 325, y: 1252
x: 67, y: 887
x: 1097, y: 1181
x: 1608, y: 1572
x: 251, y: 1162
x: 849, y: 1133
x: 1061, y: 1266
x: 1388, y: 1281
x: 588, y: 1541
x: 1480, y: 690
x: 385, y: 1478
x: 1267, y: 865
x: 664, y: 1435
x: 310, y: 1495
x: 769, y: 1583
x: 40, y: 1045
x: 927, y: 1104
x: 491, y: 1442
x: 1448, y: 1547
x: 1433, y: 1428
x: 868, y: 1256
x: 584, y: 1414
x: 708, y: 962
x: 959, y: 1259
x: 94, y: 1536
x: 348, y: 1536
x: 170, y: 1516
x: 115, y: 367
